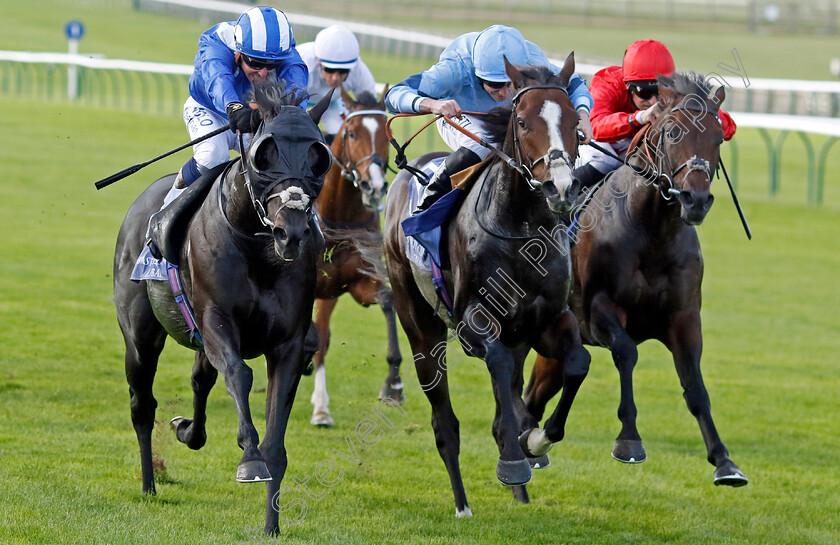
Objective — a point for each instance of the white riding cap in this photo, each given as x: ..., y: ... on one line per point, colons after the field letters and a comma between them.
x: 491, y: 47
x: 337, y: 47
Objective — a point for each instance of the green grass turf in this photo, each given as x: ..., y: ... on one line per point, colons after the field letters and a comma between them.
x: 69, y: 463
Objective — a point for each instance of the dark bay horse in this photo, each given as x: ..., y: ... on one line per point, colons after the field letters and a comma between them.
x: 638, y: 266
x: 348, y: 211
x: 248, y: 264
x: 502, y: 305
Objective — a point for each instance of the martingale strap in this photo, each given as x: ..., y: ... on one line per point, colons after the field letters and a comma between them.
x: 173, y: 273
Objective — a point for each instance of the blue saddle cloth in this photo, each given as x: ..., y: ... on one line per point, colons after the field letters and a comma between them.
x: 424, y: 230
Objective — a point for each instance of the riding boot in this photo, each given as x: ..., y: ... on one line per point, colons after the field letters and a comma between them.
x: 588, y: 176
x: 440, y: 183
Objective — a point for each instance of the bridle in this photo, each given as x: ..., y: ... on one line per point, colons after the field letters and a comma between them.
x: 663, y: 175
x: 292, y: 197
x: 554, y: 157
x: 350, y: 168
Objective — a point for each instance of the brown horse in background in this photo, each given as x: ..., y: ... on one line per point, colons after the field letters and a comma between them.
x: 348, y: 211
x: 638, y: 267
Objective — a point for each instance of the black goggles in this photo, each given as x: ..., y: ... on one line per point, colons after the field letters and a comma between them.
x: 494, y: 84
x: 259, y: 64
x: 342, y: 71
x: 645, y: 91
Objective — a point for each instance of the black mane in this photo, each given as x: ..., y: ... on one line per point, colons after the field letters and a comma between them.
x: 272, y: 94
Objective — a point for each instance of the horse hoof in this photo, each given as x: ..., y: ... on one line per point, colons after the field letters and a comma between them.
x: 252, y: 471
x: 728, y: 474
x: 462, y: 513
x: 629, y: 451
x: 175, y: 423
x: 540, y: 462
x: 394, y: 392
x: 323, y: 420
x: 534, y: 443
x: 513, y: 472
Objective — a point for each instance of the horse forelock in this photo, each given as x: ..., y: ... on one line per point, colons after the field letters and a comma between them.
x: 271, y: 95
x: 368, y: 101
x: 690, y: 84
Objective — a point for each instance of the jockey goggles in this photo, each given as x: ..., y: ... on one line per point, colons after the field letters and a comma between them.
x: 645, y: 90
x: 494, y: 84
x: 342, y: 71
x: 259, y: 64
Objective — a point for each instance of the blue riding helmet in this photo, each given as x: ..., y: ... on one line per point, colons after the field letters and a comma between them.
x: 264, y: 33
x: 491, y: 47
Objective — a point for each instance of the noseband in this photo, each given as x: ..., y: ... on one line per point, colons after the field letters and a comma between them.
x: 694, y: 163
x: 350, y: 168
x: 554, y: 157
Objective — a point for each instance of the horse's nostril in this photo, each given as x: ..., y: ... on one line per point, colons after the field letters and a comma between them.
x: 280, y: 233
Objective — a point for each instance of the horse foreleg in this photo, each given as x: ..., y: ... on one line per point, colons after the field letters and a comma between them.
x: 320, y: 398
x: 221, y: 342
x: 607, y: 325
x: 685, y: 341
x: 562, y: 342
x: 283, y: 378
x: 191, y: 431
x: 546, y: 380
x: 512, y: 467
x: 393, y: 386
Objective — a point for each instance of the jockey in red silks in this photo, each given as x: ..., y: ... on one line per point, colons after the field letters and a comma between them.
x: 625, y: 100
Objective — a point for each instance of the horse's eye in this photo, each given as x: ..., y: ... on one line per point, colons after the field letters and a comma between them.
x: 351, y: 134
x: 520, y: 122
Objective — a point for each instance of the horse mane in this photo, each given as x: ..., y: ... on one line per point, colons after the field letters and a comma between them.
x: 496, y: 121
x: 368, y: 101
x: 272, y: 94
x: 687, y: 83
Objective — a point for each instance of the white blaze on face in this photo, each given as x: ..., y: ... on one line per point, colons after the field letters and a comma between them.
x: 377, y: 177
x: 561, y: 172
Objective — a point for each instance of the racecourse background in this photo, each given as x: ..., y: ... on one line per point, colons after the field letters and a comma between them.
x: 69, y: 456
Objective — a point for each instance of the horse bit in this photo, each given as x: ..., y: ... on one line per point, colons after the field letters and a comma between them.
x: 694, y: 163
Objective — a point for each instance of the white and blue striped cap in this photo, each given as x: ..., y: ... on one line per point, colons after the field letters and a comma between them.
x: 264, y: 33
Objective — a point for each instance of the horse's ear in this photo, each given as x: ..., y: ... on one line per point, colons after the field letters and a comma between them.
x: 315, y: 112
x: 382, y: 96
x: 717, y: 95
x: 515, y: 75
x: 349, y: 103
x: 568, y: 68
x: 666, y: 89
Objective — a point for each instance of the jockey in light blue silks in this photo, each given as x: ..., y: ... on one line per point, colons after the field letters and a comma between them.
x: 471, y: 76
x: 232, y: 55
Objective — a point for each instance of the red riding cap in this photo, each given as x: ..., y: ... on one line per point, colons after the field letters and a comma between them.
x: 644, y: 59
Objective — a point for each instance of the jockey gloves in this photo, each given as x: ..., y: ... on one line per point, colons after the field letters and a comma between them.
x: 243, y: 119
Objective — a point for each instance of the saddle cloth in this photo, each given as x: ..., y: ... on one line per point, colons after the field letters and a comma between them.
x: 423, y: 231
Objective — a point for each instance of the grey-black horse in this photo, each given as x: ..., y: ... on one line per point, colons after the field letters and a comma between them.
x: 247, y: 263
